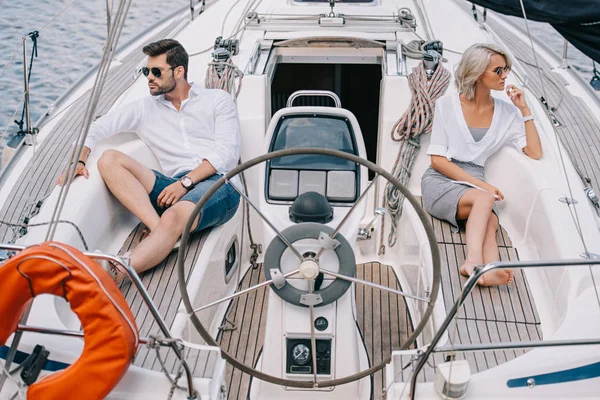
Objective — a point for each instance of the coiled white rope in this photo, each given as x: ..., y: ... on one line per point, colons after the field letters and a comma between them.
x: 229, y: 80
x: 417, y: 120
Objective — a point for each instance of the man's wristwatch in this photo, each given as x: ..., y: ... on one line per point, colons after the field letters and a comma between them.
x: 187, y: 182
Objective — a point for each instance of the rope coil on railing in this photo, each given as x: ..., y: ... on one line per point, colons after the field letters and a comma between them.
x: 417, y: 120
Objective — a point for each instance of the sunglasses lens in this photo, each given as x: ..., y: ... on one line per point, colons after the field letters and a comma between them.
x: 499, y: 71
x: 155, y: 71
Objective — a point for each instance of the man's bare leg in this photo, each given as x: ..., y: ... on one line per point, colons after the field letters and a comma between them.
x: 153, y: 250
x: 130, y: 182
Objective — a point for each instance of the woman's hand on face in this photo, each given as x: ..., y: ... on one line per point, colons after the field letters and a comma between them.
x: 493, y: 190
x: 517, y: 97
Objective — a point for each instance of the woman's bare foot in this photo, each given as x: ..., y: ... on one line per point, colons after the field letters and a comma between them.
x: 497, y: 277
x: 492, y: 278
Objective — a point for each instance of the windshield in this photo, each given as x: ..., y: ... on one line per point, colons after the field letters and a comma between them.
x: 324, y: 132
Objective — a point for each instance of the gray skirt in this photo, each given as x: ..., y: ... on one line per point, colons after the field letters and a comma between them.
x: 441, y: 194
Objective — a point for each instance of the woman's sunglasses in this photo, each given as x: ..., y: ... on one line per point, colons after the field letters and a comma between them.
x: 499, y: 70
x: 157, y: 72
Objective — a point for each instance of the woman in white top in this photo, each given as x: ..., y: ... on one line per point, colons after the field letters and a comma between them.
x: 469, y: 127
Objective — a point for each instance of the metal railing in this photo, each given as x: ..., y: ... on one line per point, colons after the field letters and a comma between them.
x: 137, y: 283
x: 308, y: 93
x: 469, y: 285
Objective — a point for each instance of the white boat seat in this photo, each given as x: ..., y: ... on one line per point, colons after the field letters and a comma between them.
x: 316, y: 127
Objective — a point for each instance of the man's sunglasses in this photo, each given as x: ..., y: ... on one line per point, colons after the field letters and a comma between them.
x: 157, y: 72
x: 499, y: 70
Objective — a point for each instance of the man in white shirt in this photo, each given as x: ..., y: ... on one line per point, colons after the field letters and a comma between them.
x: 195, y: 135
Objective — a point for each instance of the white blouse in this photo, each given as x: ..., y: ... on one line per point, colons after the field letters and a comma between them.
x: 451, y: 138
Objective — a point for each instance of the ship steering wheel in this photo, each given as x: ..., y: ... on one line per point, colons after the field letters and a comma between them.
x: 330, y: 239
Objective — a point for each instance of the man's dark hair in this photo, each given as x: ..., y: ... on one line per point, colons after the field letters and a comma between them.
x: 176, y: 54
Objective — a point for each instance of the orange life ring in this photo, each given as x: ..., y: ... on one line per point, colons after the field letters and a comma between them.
x: 111, y: 334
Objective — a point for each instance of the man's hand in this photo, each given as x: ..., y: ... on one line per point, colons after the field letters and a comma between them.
x: 79, y: 170
x: 171, y: 194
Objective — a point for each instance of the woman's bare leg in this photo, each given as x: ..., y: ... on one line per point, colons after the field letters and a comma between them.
x: 490, y: 250
x: 476, y: 207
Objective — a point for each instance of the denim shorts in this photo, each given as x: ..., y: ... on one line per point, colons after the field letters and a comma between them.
x: 220, y: 208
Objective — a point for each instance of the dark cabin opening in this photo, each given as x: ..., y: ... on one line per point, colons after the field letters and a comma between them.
x: 357, y: 85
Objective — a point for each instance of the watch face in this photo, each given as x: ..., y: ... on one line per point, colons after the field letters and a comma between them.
x: 186, y: 181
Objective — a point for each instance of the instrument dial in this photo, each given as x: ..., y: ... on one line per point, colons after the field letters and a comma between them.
x: 300, y: 354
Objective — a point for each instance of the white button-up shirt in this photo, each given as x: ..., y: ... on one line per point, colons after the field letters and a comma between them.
x: 205, y: 128
x: 451, y: 138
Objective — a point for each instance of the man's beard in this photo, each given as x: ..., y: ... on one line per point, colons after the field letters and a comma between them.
x: 168, y: 87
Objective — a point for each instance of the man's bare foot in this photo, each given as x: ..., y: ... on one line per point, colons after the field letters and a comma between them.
x: 115, y: 270
x: 492, y: 278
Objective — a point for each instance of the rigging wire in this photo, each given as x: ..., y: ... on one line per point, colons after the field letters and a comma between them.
x: 109, y: 49
x: 39, y: 30
x: 227, y: 16
x: 576, y: 219
x: 56, y: 16
x: 34, y: 53
x: 13, y: 55
x: 11, y: 119
x: 243, y: 27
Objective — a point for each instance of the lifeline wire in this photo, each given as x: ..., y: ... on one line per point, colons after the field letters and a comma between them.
x: 576, y: 220
x: 109, y: 48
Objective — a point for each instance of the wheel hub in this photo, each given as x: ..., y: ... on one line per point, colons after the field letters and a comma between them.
x: 309, y: 269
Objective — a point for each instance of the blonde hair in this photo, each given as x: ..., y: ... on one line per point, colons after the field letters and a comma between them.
x: 473, y: 63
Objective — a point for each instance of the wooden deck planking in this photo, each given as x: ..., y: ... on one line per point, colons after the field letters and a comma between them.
x: 245, y: 342
x: 489, y: 315
x: 161, y: 284
x: 382, y: 318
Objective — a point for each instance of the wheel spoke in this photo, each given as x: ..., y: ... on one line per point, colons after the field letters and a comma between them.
x: 313, y: 341
x: 312, y: 383
x: 283, y: 239
x: 237, y: 294
x: 347, y: 216
x: 375, y: 285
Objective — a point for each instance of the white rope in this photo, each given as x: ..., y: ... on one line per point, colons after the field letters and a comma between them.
x: 416, y: 48
x: 417, y: 120
x: 226, y: 80
x: 21, y: 392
